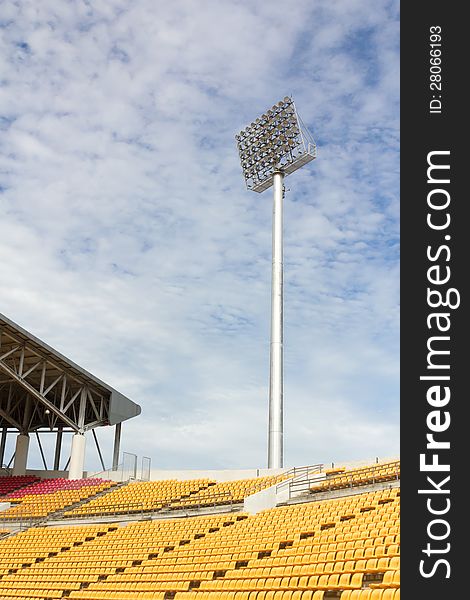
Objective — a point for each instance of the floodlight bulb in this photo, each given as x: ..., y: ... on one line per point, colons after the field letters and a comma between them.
x: 274, y: 140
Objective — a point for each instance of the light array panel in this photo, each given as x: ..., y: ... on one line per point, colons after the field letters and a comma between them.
x: 277, y: 140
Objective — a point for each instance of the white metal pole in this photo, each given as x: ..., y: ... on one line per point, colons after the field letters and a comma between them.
x: 275, y: 442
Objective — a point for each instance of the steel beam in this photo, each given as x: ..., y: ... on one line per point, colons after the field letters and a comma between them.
x: 58, y: 448
x: 27, y: 386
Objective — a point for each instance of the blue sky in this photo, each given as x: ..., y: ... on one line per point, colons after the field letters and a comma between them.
x: 129, y: 242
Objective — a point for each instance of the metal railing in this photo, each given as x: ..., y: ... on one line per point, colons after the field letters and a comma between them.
x: 26, y: 519
x: 127, y: 469
x: 291, y: 473
x: 134, y: 509
x: 218, y: 499
x: 299, y: 479
x: 137, y: 510
x: 306, y: 471
x: 144, y: 511
x: 120, y: 472
x: 145, y: 468
x: 21, y: 520
x: 106, y: 474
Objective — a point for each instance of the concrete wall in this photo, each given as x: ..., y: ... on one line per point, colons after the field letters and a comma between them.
x: 262, y: 500
x: 47, y: 474
x: 279, y: 493
x: 218, y: 475
x: 159, y: 474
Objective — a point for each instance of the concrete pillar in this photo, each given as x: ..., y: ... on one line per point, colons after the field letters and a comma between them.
x: 117, y: 445
x: 77, y: 456
x: 21, y: 454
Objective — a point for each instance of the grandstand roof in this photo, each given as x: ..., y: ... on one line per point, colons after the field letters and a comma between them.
x: 39, y: 387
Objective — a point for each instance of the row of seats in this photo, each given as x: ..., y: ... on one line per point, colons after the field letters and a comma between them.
x: 142, y: 496
x: 227, y: 492
x: 347, y: 546
x: 390, y: 594
x: 366, y: 594
x: 152, y: 496
x: 39, y: 505
x: 312, y: 569
x: 85, y: 554
x: 357, y: 477
x: 31, y: 546
x: 393, y: 594
x: 49, y: 486
x: 9, y: 483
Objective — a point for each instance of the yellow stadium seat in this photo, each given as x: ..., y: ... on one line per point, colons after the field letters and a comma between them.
x: 294, y: 552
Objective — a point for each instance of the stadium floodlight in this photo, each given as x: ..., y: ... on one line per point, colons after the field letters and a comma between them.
x: 273, y: 146
x: 275, y: 141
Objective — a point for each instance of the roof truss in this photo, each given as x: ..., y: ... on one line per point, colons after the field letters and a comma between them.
x: 37, y: 391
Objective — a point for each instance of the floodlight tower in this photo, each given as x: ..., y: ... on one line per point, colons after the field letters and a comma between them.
x: 273, y: 146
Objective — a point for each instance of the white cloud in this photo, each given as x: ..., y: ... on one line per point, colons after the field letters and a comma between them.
x: 128, y: 241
